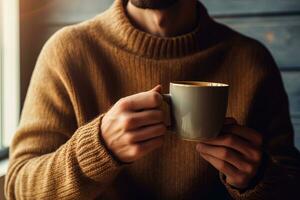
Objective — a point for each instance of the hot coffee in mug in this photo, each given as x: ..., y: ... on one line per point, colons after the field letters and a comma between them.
x: 197, y: 109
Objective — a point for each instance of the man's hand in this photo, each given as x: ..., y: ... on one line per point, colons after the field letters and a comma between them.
x: 134, y: 126
x: 236, y: 153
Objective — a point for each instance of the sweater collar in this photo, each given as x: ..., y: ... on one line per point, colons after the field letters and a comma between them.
x: 147, y: 45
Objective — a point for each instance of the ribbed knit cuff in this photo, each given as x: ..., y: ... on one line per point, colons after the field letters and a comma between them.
x: 94, y: 159
x: 262, y: 189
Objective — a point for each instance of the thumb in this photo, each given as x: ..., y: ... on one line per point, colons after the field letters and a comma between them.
x: 230, y: 121
x: 157, y: 88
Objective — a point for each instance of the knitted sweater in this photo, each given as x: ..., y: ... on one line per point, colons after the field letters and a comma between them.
x: 58, y: 152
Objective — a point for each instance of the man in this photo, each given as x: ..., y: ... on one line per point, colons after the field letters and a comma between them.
x: 92, y: 127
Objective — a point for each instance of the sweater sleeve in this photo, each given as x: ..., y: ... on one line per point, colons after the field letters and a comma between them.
x: 50, y: 156
x: 279, y: 175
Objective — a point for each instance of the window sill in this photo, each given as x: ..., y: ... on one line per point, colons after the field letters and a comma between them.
x: 3, y: 167
x: 3, y: 161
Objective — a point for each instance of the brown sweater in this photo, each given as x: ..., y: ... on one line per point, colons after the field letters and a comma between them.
x: 58, y: 153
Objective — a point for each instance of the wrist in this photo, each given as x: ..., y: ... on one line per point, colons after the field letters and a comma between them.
x: 105, y: 145
x: 255, y: 180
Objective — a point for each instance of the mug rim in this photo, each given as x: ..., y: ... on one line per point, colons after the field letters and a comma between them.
x: 198, y: 84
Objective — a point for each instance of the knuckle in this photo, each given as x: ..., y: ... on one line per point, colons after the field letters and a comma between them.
x: 225, y: 153
x: 110, y: 143
x: 248, y: 168
x: 238, y: 180
x: 129, y: 138
x: 256, y: 156
x: 241, y: 180
x: 128, y: 122
x: 123, y: 104
x: 156, y: 98
x: 135, y: 151
x: 125, y: 123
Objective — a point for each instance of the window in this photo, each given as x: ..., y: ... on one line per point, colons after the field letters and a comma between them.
x: 9, y: 70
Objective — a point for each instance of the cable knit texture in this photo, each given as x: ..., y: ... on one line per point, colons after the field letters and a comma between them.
x: 58, y: 152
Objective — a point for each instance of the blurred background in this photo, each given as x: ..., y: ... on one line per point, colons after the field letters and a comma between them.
x: 25, y: 25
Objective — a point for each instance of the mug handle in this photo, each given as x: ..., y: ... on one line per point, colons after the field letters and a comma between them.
x: 168, y: 111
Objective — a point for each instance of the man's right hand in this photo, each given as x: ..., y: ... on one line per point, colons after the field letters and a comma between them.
x: 134, y: 126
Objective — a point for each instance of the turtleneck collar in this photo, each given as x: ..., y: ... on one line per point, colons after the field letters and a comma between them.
x: 147, y: 45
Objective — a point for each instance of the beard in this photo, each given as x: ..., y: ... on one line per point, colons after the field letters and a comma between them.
x: 153, y: 4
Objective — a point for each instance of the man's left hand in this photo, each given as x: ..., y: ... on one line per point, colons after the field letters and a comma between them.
x: 236, y: 152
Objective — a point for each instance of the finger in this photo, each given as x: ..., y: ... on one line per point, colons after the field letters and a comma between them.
x: 144, y: 133
x: 233, y: 176
x: 141, y: 101
x: 237, y: 143
x: 220, y: 165
x: 248, y: 134
x: 134, y: 120
x: 226, y: 154
x: 230, y: 121
x: 143, y: 148
x: 157, y: 88
x: 240, y: 181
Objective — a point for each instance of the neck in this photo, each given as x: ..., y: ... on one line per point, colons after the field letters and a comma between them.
x: 178, y: 19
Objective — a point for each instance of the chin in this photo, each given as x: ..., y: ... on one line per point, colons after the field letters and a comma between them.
x: 153, y: 4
